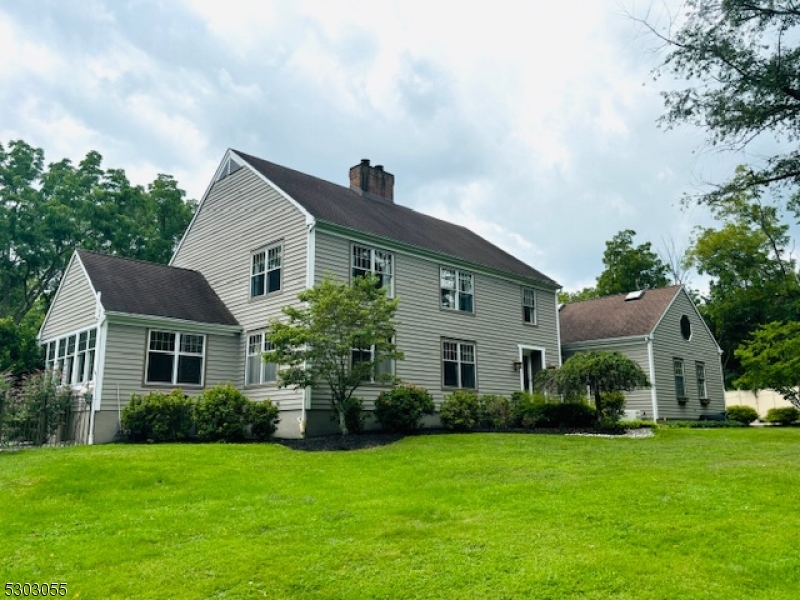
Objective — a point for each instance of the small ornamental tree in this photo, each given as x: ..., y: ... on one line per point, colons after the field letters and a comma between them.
x: 602, y: 372
x: 771, y: 359
x: 339, y: 338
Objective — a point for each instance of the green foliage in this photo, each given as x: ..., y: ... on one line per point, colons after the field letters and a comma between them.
x: 221, y: 414
x: 529, y: 410
x: 158, y: 417
x: 771, y: 359
x: 630, y: 268
x: 586, y: 293
x: 497, y: 411
x: 602, y: 372
x: 402, y: 408
x: 534, y: 411
x: 20, y: 353
x: 353, y: 415
x: 315, y: 346
x: 33, y: 411
x: 47, y: 212
x: 572, y: 415
x: 461, y: 411
x: 263, y: 419
x: 726, y: 424
x: 613, y: 407
x: 639, y: 424
x: 782, y: 416
x: 743, y: 414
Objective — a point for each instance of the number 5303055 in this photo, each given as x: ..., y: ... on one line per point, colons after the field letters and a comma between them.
x: 27, y: 590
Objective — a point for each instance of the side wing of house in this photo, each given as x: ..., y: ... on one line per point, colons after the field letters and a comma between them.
x: 687, y: 363
x: 638, y: 351
x: 69, y: 332
x: 251, y: 244
x: 483, y: 331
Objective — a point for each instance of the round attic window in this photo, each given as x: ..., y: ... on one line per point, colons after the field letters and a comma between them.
x: 686, y: 327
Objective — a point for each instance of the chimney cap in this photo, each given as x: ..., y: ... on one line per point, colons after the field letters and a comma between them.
x: 365, y: 161
x: 379, y: 167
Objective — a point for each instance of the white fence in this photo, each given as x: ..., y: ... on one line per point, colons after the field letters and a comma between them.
x: 762, y: 402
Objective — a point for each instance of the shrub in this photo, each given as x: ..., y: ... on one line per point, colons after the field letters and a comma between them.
x: 782, y: 416
x: 496, y: 412
x: 702, y: 424
x: 221, y: 414
x: 572, y: 415
x: 460, y: 411
x: 741, y: 413
x: 34, y: 411
x: 263, y: 419
x: 353, y: 415
x: 613, y: 406
x: 158, y: 417
x: 639, y: 424
x: 528, y: 410
x: 402, y: 408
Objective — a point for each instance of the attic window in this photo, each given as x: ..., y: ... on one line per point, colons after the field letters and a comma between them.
x: 634, y: 295
x: 229, y: 168
x: 686, y: 328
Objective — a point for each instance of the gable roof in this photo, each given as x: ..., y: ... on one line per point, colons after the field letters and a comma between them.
x: 614, y: 317
x: 339, y: 205
x: 143, y: 288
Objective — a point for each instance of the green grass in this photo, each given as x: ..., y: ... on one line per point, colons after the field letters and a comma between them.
x: 687, y: 514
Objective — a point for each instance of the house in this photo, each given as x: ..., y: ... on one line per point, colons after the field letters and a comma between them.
x: 471, y: 316
x: 664, y: 333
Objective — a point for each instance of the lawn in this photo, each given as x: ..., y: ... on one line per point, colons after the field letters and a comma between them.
x: 686, y: 514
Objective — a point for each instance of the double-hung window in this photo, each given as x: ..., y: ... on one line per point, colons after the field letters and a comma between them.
x: 457, y: 290
x: 265, y: 271
x: 529, y: 306
x: 67, y: 372
x: 382, y: 367
x: 378, y: 262
x: 700, y: 370
x: 258, y: 371
x: 85, y: 360
x: 680, y: 377
x: 175, y: 358
x: 72, y: 357
x: 458, y: 364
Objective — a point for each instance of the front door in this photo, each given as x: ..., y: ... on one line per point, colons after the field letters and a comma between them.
x: 531, y: 365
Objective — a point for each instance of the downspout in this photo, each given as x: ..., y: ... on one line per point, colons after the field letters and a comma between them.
x: 99, y: 366
x: 651, y: 360
x: 311, y: 244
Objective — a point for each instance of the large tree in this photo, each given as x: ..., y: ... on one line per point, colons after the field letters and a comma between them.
x: 771, y: 359
x: 741, y: 59
x: 338, y: 337
x: 47, y: 212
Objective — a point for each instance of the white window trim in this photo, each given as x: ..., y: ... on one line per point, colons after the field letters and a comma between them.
x: 535, y: 310
x: 73, y: 377
x: 265, y: 250
x: 702, y: 392
x: 474, y: 362
x: 458, y: 273
x: 262, y: 365
x: 177, y: 353
x: 372, y: 250
x: 675, y: 362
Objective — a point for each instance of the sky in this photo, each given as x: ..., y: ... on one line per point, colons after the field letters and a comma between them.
x: 533, y: 123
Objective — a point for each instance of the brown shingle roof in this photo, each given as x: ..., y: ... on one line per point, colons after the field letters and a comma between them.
x: 144, y: 288
x: 613, y: 316
x: 342, y: 206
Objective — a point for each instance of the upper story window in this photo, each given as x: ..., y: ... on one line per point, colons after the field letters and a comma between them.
x: 458, y: 364
x: 378, y: 262
x: 680, y: 377
x: 457, y: 290
x: 686, y: 328
x: 175, y: 358
x: 258, y: 371
x: 265, y: 271
x: 529, y: 306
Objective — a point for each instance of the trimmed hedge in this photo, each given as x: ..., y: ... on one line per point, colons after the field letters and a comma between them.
x: 461, y: 411
x: 782, y: 416
x: 221, y: 414
x: 743, y: 414
x: 158, y: 417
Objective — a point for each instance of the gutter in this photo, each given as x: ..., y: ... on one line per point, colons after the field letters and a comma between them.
x: 651, y: 360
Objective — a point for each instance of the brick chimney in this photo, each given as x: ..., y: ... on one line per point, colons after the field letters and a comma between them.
x: 372, y: 182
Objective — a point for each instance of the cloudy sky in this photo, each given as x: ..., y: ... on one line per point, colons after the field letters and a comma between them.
x: 531, y: 122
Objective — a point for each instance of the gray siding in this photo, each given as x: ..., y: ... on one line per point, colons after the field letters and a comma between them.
x: 668, y: 343
x: 75, y: 305
x: 641, y: 400
x: 496, y: 327
x: 125, y: 359
x: 242, y: 214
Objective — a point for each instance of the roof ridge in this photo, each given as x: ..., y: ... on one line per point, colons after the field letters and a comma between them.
x: 664, y: 287
x: 136, y: 260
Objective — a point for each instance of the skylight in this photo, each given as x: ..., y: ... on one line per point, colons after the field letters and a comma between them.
x: 634, y: 295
